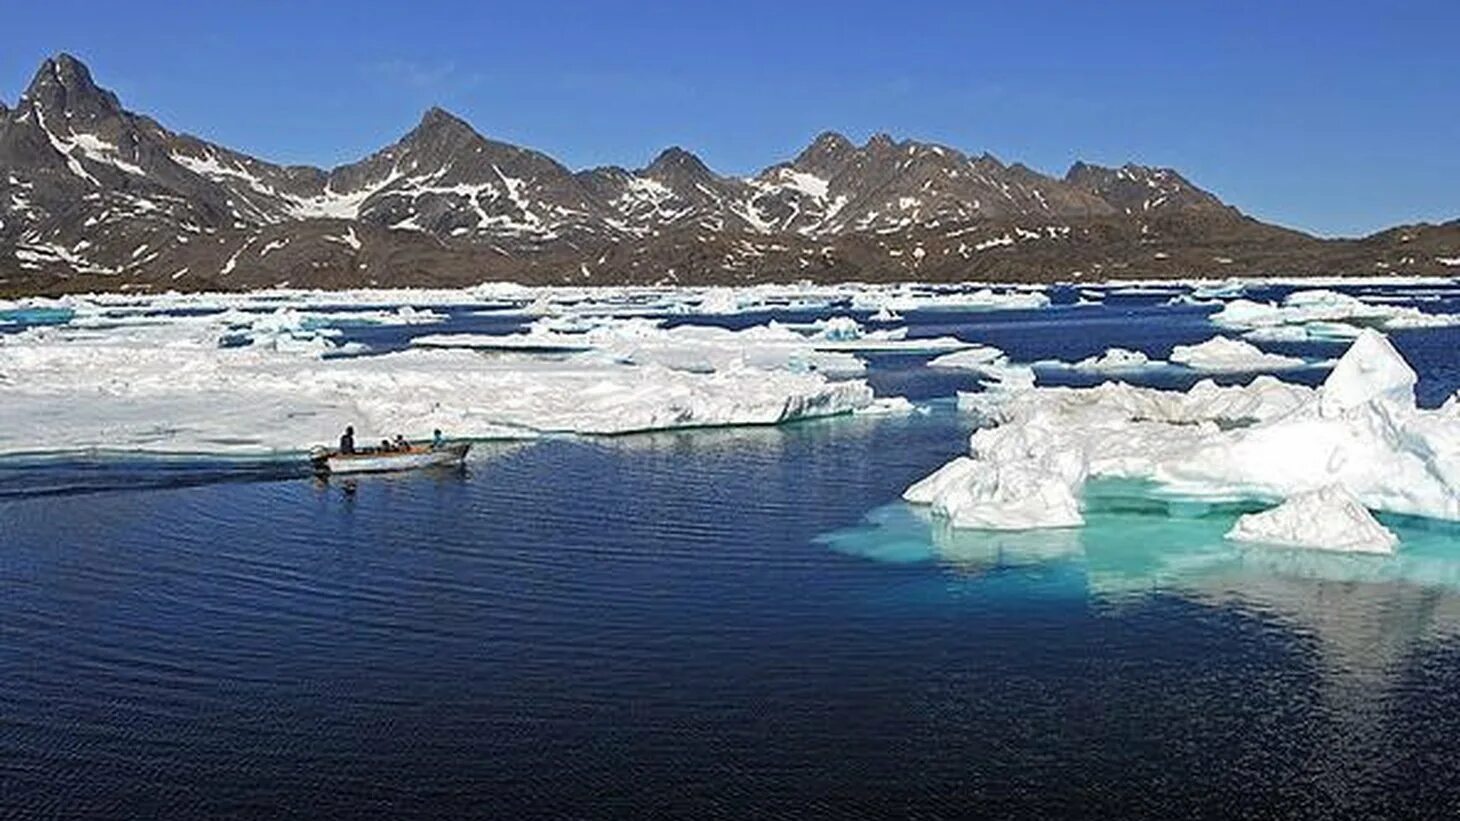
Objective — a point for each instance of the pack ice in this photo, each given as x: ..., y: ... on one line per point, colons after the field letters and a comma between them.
x: 1360, y: 432
x: 1321, y: 314
x: 251, y: 382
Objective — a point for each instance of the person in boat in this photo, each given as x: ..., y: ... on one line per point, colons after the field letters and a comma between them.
x: 437, y: 440
x: 401, y: 444
x: 347, y: 442
x: 386, y: 446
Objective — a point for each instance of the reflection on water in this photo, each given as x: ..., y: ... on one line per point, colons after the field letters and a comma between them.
x: 1135, y: 543
x: 1367, y: 617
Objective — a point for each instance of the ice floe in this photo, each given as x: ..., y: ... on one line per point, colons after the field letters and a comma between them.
x: 976, y: 358
x: 1223, y: 355
x: 1219, y: 355
x: 1329, y: 518
x: 1114, y: 360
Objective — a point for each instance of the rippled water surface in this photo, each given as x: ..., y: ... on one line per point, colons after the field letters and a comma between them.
x: 714, y: 623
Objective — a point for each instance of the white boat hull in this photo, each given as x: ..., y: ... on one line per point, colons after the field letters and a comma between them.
x: 338, y: 464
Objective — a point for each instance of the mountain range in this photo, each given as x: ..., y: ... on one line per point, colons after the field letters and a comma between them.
x: 96, y: 197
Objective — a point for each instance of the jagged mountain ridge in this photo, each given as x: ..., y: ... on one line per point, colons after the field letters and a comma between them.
x: 95, y: 196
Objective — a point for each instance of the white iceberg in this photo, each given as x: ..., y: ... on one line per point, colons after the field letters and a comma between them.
x: 1362, y: 430
x: 1266, y: 439
x: 1329, y: 518
x: 828, y: 346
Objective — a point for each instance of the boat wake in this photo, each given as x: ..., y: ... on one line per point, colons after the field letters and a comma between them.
x: 35, y: 476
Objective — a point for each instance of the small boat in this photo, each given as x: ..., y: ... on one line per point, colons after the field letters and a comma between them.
x: 374, y: 460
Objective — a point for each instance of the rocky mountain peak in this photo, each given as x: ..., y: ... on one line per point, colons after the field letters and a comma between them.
x: 63, y: 87
x: 881, y: 140
x: 439, y: 125
x: 438, y: 117
x: 830, y: 141
x: 1135, y: 188
x: 825, y: 155
x: 675, y: 163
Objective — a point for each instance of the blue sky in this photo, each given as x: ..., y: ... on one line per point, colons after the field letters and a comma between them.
x: 1335, y: 117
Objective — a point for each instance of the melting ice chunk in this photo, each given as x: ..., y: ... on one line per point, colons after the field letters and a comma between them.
x: 1329, y: 518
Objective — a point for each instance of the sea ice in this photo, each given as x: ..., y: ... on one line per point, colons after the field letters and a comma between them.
x: 1302, y: 308
x: 974, y: 359
x: 1222, y: 355
x: 904, y: 299
x: 1329, y: 518
x: 175, y: 386
x: 1111, y: 361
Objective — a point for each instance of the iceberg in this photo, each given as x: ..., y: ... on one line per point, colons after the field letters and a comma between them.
x: 1329, y: 518
x: 827, y: 346
x: 1010, y: 481
x: 1267, y: 439
x: 1362, y: 430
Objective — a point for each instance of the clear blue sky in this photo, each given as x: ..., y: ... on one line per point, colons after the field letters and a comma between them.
x: 1336, y: 117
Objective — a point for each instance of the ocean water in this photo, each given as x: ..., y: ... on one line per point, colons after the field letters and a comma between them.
x: 715, y: 623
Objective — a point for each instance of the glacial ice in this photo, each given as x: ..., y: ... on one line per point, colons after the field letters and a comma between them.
x: 1361, y: 429
x: 1329, y: 518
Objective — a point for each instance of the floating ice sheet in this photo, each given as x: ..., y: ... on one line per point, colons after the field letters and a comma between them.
x: 180, y: 385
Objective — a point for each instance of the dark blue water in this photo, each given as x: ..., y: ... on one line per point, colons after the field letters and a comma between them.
x: 717, y: 623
